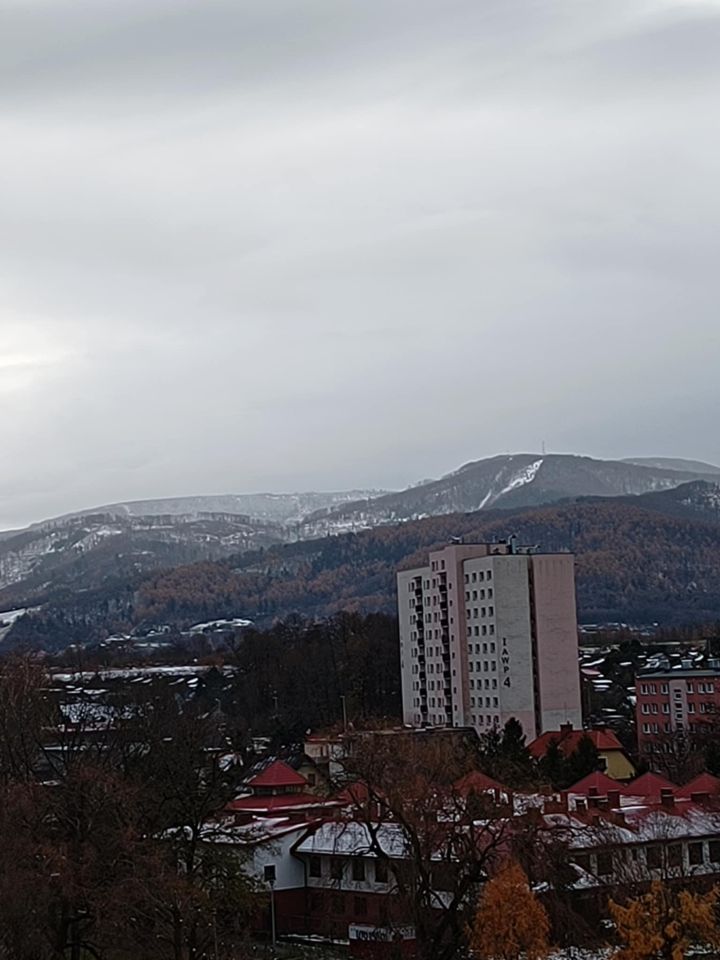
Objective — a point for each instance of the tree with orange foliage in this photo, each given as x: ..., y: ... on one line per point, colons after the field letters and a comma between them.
x: 663, y: 923
x: 510, y: 921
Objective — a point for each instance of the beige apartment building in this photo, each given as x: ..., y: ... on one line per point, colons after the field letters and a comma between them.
x: 488, y: 631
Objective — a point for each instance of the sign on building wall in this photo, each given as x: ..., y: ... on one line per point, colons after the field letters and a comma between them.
x: 370, y: 934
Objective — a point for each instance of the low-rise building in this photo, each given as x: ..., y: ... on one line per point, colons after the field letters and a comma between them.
x: 672, y: 701
x: 612, y: 755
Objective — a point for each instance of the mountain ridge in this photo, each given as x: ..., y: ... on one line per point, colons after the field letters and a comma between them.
x: 640, y: 559
x: 86, y: 550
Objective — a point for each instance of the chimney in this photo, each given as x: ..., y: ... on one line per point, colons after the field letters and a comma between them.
x: 566, y: 728
x: 614, y: 798
x: 667, y: 797
x: 593, y: 792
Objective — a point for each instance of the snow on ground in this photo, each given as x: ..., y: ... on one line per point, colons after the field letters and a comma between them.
x: 7, y: 619
x: 523, y: 477
x: 133, y: 673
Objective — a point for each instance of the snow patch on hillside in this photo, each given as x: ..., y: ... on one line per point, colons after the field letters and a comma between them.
x: 523, y: 477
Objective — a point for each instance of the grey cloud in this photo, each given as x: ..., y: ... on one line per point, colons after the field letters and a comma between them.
x: 307, y: 244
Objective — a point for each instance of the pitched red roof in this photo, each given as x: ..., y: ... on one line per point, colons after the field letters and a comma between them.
x: 357, y: 793
x: 703, y: 783
x: 278, y: 774
x: 478, y: 783
x: 568, y: 741
x: 281, y: 802
x: 648, y: 785
x: 594, y: 781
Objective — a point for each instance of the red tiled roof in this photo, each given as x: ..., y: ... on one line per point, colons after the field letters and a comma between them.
x: 278, y: 774
x: 703, y: 783
x: 595, y: 781
x: 568, y: 741
x: 283, y: 801
x: 477, y: 782
x: 648, y: 785
x: 357, y: 793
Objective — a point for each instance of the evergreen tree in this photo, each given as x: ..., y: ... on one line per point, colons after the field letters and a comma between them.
x: 553, y: 765
x: 505, y: 756
x: 584, y: 760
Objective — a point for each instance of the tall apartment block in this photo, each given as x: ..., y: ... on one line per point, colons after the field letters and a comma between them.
x: 488, y: 631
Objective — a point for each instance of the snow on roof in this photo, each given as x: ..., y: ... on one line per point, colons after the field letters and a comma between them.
x: 353, y: 838
x: 130, y: 673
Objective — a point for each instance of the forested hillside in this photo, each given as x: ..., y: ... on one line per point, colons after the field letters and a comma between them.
x: 638, y: 560
x: 632, y: 564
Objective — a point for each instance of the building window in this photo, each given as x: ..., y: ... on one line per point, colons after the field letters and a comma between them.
x: 315, y: 867
x: 604, y: 864
x: 653, y: 858
x: 714, y: 850
x: 358, y: 869
x: 695, y: 854
x: 674, y: 855
x: 336, y: 864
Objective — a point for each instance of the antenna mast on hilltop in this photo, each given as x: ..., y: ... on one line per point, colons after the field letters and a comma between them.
x: 543, y: 448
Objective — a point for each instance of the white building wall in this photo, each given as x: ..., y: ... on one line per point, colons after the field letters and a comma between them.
x: 514, y: 642
x: 289, y: 871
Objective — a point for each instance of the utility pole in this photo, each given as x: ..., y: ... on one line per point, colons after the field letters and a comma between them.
x: 270, y: 875
x: 344, y: 709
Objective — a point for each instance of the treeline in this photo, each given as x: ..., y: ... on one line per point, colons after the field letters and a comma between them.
x: 299, y: 675
x: 107, y: 831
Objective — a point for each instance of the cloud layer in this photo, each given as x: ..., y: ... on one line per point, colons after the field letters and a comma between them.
x: 283, y: 244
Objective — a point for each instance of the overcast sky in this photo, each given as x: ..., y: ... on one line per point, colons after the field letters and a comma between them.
x: 313, y: 244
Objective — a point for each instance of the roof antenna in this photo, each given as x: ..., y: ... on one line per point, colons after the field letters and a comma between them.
x: 543, y: 448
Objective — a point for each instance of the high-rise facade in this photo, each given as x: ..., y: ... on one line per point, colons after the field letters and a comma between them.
x: 488, y: 631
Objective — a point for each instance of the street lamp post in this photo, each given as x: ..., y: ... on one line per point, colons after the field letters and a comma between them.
x: 270, y: 875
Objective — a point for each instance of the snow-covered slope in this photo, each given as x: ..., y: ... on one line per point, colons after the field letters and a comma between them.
x: 506, y: 481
